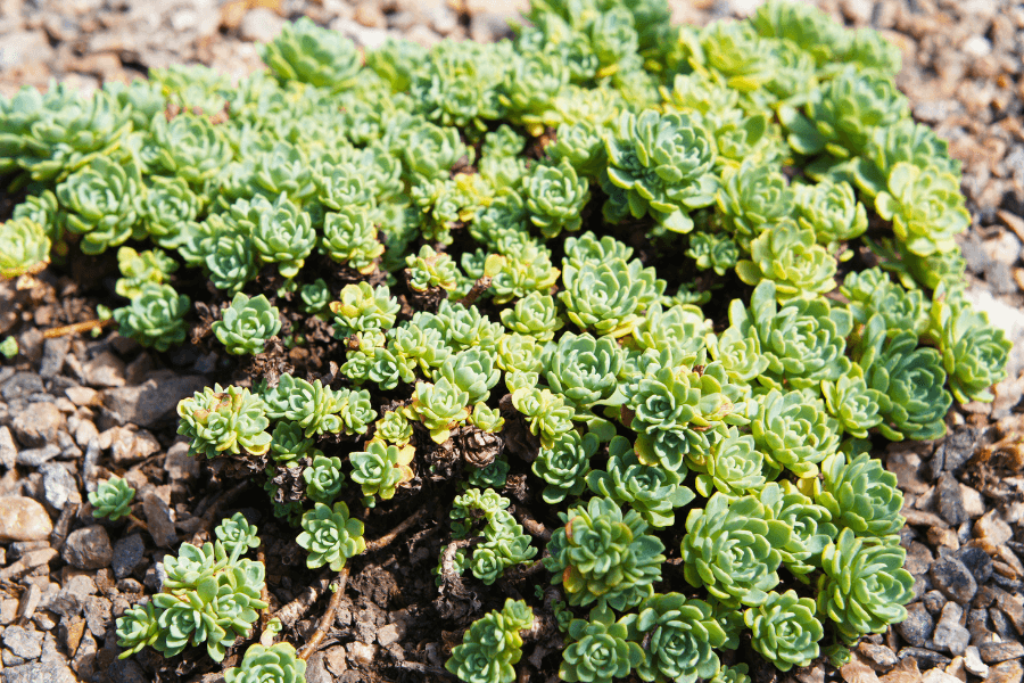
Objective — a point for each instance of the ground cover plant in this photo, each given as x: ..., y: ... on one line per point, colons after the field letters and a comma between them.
x: 681, y: 282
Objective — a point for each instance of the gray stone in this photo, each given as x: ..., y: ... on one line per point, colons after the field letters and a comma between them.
x: 973, y: 663
x: 993, y: 653
x: 128, y: 552
x: 917, y: 628
x: 152, y: 400
x: 34, y: 457
x: 21, y: 385
x: 8, y: 449
x: 54, y: 352
x: 933, y: 601
x: 160, y: 520
x: 23, y: 642
x: 978, y: 563
x: 59, y: 486
x: 23, y: 47
x: 11, y: 659
x: 260, y: 25
x: 105, y: 370
x: 97, y: 615
x: 880, y: 657
x: 951, y: 577
x: 29, y: 601
x: 39, y: 672
x: 316, y: 671
x: 23, y: 519
x: 179, y: 465
x: 947, y: 494
x: 949, y: 635
x: 926, y: 659
x: 88, y: 548
x: 387, y: 635
x: 127, y: 671
x: 1005, y: 672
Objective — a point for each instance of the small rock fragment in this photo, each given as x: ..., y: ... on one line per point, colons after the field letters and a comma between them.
x: 993, y: 653
x: 260, y: 25
x: 157, y: 397
x: 992, y: 529
x: 951, y: 577
x: 1005, y: 672
x: 8, y: 450
x: 88, y: 548
x: 950, y: 505
x: 37, y: 672
x: 23, y: 519
x: 972, y: 660
x: 917, y: 628
x: 160, y: 520
x: 974, y: 504
x: 387, y: 635
x: 59, y: 486
x: 34, y: 457
x: 361, y: 653
x: 26, y: 643
x: 105, y: 370
x: 949, y: 635
x: 879, y: 657
x: 128, y: 552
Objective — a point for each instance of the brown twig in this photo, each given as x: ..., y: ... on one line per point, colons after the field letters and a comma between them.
x: 294, y: 610
x: 327, y: 620
x: 135, y: 521
x: 75, y: 328
x: 481, y: 286
x: 261, y: 557
x: 387, y: 538
x: 532, y: 526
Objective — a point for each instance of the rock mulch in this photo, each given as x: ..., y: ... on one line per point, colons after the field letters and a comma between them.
x: 75, y: 411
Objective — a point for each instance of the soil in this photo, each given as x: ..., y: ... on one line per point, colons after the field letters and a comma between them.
x: 109, y: 403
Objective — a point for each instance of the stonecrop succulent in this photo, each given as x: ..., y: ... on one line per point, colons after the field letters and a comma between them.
x: 500, y: 273
x: 247, y: 324
x: 112, y: 499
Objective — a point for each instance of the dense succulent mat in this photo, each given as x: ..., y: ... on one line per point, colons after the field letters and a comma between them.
x: 685, y: 281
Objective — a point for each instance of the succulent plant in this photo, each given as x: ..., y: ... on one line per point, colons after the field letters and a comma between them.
x: 247, y: 324
x: 788, y: 255
x: 794, y: 432
x: 381, y: 468
x: 602, y: 555
x: 289, y: 443
x: 112, y: 499
x: 785, y: 630
x: 24, y: 248
x: 861, y: 495
x: 974, y: 352
x: 548, y: 415
x: 925, y: 207
x: 361, y: 307
x: 652, y: 491
x: 324, y: 479
x: 564, y: 466
x: 219, y: 420
x: 555, y: 197
x: 600, y: 651
x: 492, y: 645
x: 307, y: 53
x: 863, y: 588
x: 350, y: 237
x: 731, y: 549
x: 277, y: 662
x: 440, y: 407
x: 330, y: 536
x: 683, y: 635
x: 103, y: 203
x: 584, y: 370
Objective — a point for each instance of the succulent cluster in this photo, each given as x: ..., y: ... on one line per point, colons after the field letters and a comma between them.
x: 210, y: 595
x: 112, y: 499
x: 521, y: 255
x: 492, y: 645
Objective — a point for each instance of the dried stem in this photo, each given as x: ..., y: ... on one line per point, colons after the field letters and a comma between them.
x: 532, y: 526
x: 75, y: 328
x: 387, y: 538
x: 481, y: 286
x: 327, y: 620
x: 135, y: 521
x: 423, y: 668
x: 261, y: 556
x: 297, y: 608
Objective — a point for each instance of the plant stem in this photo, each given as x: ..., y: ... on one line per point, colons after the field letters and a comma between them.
x: 327, y: 620
x: 75, y: 328
x: 384, y: 540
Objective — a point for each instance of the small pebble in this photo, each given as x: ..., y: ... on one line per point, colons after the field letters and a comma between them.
x: 917, y: 628
x: 34, y: 457
x: 128, y: 552
x: 39, y: 672
x: 926, y: 659
x: 992, y: 529
x: 949, y: 635
x: 59, y: 486
x: 951, y: 577
x: 160, y: 520
x: 993, y: 653
x: 23, y: 519
x: 1005, y: 672
x: 88, y: 548
x: 23, y: 642
x: 880, y: 657
x: 972, y: 660
x: 8, y: 449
